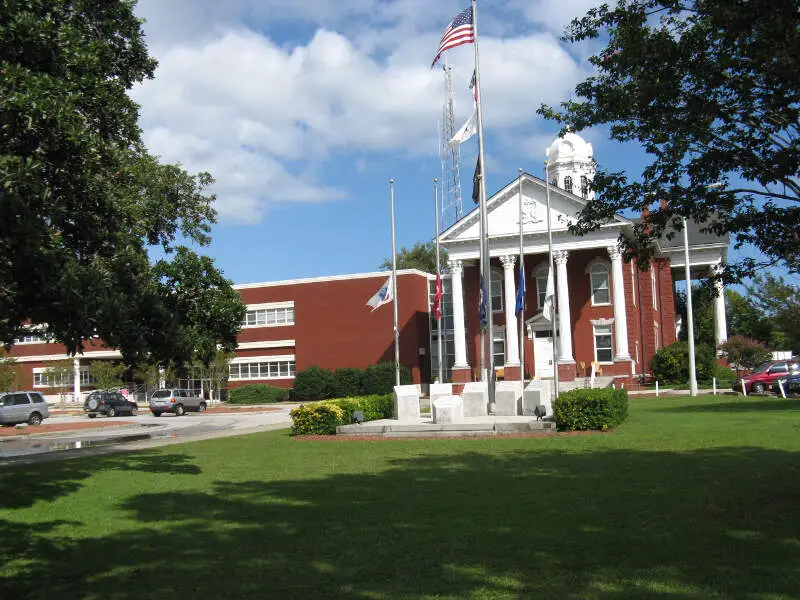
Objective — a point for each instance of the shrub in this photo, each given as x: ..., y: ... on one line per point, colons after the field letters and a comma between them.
x: 257, y: 393
x: 310, y: 419
x: 379, y: 379
x: 744, y: 353
x: 347, y: 382
x: 313, y: 383
x: 724, y: 375
x: 671, y: 363
x: 585, y: 409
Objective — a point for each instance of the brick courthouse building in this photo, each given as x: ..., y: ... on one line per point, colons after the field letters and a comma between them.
x: 608, y: 311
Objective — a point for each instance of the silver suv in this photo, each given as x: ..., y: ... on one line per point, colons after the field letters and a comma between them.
x: 22, y: 407
x: 176, y: 401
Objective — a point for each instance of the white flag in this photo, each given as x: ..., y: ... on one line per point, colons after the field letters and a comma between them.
x: 383, y: 296
x: 467, y: 130
x: 547, y: 309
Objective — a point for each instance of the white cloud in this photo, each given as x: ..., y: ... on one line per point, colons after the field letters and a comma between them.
x: 260, y: 116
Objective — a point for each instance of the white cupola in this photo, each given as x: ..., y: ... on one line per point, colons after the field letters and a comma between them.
x: 571, y: 164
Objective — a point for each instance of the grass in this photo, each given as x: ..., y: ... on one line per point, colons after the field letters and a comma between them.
x: 690, y: 499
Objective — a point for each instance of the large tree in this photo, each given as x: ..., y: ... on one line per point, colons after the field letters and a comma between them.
x: 711, y: 91
x: 421, y: 255
x: 82, y: 200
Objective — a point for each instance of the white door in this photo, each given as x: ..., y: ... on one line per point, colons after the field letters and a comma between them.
x: 543, y: 354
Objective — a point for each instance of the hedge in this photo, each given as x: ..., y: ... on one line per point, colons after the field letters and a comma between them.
x: 347, y: 382
x: 322, y: 418
x: 380, y: 378
x: 671, y: 363
x: 257, y: 393
x: 585, y: 409
x: 312, y: 383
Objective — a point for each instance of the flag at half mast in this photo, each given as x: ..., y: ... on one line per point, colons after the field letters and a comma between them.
x: 459, y: 31
x: 382, y: 296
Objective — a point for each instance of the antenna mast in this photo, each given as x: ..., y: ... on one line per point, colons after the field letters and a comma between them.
x: 452, y: 210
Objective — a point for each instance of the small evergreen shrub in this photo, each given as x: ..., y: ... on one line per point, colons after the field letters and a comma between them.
x: 257, y: 393
x: 313, y: 383
x: 310, y: 419
x: 725, y: 376
x: 590, y: 409
x: 347, y: 382
x: 671, y: 363
x: 379, y: 379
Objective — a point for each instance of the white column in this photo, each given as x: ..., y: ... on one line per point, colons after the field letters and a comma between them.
x: 76, y: 379
x: 512, y: 333
x: 564, y: 317
x: 620, y: 313
x: 720, y: 320
x: 459, y: 330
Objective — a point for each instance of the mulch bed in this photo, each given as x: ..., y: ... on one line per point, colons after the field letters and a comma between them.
x: 382, y: 438
x: 56, y: 427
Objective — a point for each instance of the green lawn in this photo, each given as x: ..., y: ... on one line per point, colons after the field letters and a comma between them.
x: 691, y: 498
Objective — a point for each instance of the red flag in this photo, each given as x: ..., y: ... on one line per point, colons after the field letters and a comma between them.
x: 437, y: 299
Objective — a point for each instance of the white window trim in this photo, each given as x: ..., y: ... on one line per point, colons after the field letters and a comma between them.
x: 265, y: 344
x: 653, y: 284
x: 500, y: 336
x: 246, y: 359
x: 594, y: 342
x: 633, y: 284
x: 263, y: 359
x: 266, y: 305
x: 495, y: 272
x: 541, y: 272
x: 270, y: 306
x: 41, y: 370
x: 595, y: 264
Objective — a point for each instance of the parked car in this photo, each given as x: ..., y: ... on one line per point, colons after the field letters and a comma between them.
x: 766, y: 374
x: 22, y: 407
x: 108, y: 403
x: 791, y: 384
x: 176, y: 401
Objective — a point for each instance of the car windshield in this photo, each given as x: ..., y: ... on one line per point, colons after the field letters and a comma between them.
x: 162, y: 394
x: 762, y: 368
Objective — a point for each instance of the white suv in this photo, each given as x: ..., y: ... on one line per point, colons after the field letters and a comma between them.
x: 176, y: 401
x: 22, y: 407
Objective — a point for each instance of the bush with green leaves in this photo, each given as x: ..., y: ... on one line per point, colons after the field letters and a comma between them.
x: 347, y: 382
x: 313, y: 383
x: 257, y: 393
x: 725, y: 376
x: 380, y: 378
x: 744, y: 353
x: 322, y: 418
x: 591, y: 409
x: 671, y: 363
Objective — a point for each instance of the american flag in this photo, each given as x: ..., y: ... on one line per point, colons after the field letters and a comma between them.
x: 460, y: 31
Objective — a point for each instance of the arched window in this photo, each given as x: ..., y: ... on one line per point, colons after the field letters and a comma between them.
x: 497, y: 290
x: 568, y: 183
x: 584, y: 186
x: 599, y: 284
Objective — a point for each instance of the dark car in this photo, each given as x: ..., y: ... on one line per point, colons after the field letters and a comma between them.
x: 766, y: 374
x: 109, y: 404
x: 791, y: 384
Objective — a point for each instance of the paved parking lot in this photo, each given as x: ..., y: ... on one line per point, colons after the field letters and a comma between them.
x: 67, y: 434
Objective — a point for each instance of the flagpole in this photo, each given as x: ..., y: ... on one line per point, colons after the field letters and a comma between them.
x: 551, y: 274
x: 521, y: 287
x: 438, y: 278
x: 485, y: 267
x: 394, y: 290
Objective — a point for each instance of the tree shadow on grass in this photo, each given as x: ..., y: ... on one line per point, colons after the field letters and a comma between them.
x: 606, y: 524
x: 23, y: 485
x: 744, y: 405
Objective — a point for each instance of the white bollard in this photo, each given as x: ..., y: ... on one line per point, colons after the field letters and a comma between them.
x: 656, y: 388
x: 744, y: 389
x: 714, y: 383
x: 780, y: 387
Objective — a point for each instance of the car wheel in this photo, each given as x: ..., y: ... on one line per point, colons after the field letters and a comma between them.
x: 156, y: 414
x: 92, y: 415
x: 134, y: 410
x: 758, y: 388
x: 111, y: 412
x: 202, y: 407
x: 179, y: 411
x: 35, y: 419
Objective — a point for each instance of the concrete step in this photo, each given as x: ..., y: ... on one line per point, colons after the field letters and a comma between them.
x: 471, y: 426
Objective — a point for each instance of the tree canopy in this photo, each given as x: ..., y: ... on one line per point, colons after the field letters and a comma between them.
x: 421, y: 255
x: 82, y: 201
x: 711, y: 90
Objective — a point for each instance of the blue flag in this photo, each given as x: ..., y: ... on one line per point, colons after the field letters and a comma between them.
x: 521, y: 290
x: 482, y: 308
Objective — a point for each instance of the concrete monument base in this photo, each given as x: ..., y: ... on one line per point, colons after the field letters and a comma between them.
x: 406, y: 402
x: 448, y: 410
x: 538, y: 392
x: 476, y: 399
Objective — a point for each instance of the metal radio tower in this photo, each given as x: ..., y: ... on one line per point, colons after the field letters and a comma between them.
x: 452, y: 210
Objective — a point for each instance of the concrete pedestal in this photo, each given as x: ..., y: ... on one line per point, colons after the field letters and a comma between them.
x: 439, y: 390
x: 447, y: 410
x: 406, y: 402
x: 538, y: 392
x: 476, y: 399
x: 507, y: 396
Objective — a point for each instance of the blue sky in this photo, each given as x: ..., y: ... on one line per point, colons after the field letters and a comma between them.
x: 304, y: 109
